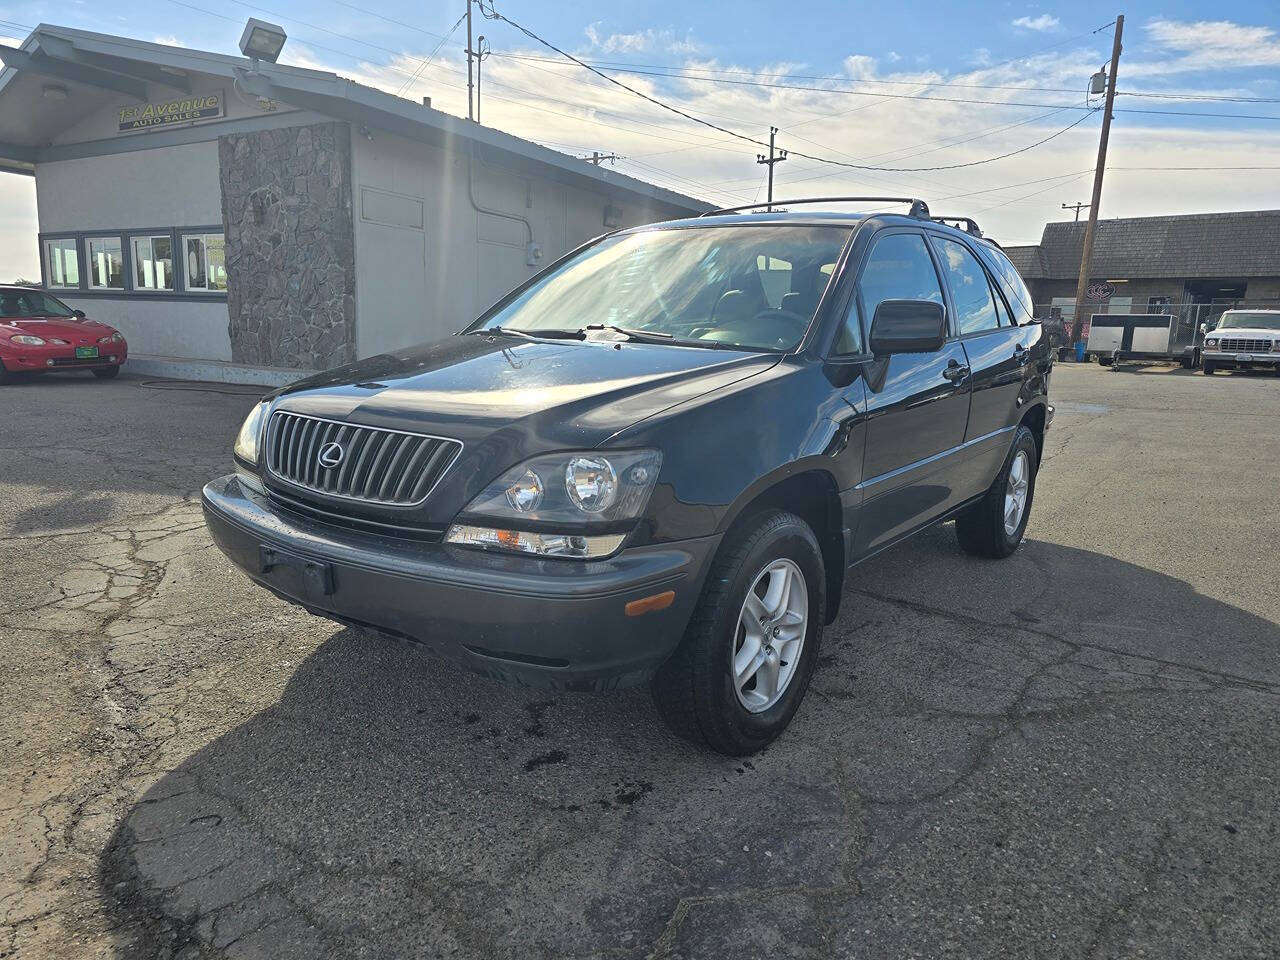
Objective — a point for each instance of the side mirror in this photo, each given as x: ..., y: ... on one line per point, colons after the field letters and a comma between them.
x: 1204, y: 328
x: 79, y: 314
x: 908, y: 326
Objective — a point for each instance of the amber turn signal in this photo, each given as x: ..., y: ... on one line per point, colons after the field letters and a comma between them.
x: 659, y: 601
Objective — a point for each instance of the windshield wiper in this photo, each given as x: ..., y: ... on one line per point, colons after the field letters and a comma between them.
x: 640, y: 335
x: 656, y: 336
x: 532, y: 334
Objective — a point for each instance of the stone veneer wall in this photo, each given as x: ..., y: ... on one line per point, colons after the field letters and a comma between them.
x: 286, y: 210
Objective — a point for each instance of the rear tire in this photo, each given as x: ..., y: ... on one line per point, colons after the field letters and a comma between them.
x: 994, y: 526
x: 106, y: 373
x: 702, y: 692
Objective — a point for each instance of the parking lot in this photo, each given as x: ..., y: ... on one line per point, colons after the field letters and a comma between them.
x: 1074, y: 753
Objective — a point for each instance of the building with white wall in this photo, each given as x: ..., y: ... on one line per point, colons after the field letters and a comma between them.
x: 242, y: 221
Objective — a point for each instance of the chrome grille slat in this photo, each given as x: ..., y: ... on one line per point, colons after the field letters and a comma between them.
x: 375, y: 466
x: 431, y: 472
x: 391, y: 475
x: 1245, y: 345
x: 410, y: 472
x: 379, y: 466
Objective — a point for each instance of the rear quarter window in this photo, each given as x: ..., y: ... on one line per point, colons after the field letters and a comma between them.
x: 1015, y: 290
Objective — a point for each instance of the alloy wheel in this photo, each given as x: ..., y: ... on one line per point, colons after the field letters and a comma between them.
x: 1015, y: 492
x: 770, y: 635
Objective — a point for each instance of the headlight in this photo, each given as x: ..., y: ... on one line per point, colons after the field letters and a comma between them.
x: 562, y: 505
x: 246, y: 447
x: 114, y: 338
x: 1211, y: 343
x: 27, y: 340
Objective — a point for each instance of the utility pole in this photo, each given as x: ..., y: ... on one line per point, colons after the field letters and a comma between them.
x: 471, y: 108
x: 482, y: 54
x: 1077, y: 207
x: 770, y: 161
x: 1086, y: 254
x: 598, y: 158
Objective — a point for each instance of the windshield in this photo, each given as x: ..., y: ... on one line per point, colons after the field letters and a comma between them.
x: 31, y: 303
x: 1233, y: 320
x: 750, y: 286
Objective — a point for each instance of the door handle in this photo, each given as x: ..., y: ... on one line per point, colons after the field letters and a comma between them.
x: 955, y: 372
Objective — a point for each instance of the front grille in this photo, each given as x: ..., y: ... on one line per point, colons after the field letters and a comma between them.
x: 377, y: 466
x: 78, y: 361
x: 1241, y: 345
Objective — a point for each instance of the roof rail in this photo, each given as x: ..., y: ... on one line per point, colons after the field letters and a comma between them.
x: 968, y: 224
x: 919, y: 208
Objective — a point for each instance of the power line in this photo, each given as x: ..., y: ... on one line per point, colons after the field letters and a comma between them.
x: 1196, y: 96
x: 398, y: 23
x: 691, y: 73
x: 799, y: 86
x: 431, y: 56
x: 913, y: 96
x: 494, y: 15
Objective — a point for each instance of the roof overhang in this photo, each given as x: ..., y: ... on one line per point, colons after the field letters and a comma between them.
x: 110, y: 67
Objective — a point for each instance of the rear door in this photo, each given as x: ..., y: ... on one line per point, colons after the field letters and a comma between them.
x: 997, y: 356
x: 917, y: 403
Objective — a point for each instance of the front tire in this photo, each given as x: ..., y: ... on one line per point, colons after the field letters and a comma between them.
x: 1209, y: 368
x: 106, y: 373
x: 744, y: 664
x: 994, y: 526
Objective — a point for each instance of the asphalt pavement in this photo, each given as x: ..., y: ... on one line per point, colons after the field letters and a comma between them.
x: 1074, y: 753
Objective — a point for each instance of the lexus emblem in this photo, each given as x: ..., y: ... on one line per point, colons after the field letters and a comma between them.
x: 330, y: 454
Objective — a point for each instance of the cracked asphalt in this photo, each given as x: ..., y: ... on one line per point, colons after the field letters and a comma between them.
x: 1070, y: 754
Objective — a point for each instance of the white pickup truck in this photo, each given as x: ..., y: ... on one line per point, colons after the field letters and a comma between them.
x: 1243, y: 340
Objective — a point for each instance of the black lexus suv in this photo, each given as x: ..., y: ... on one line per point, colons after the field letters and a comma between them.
x: 657, y: 459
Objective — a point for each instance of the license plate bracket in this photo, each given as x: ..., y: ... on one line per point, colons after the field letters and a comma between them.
x: 314, y: 576
x: 1244, y: 358
x: 86, y: 353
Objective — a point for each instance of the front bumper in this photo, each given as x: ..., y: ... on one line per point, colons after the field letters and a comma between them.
x: 56, y: 358
x: 1222, y: 358
x: 557, y: 624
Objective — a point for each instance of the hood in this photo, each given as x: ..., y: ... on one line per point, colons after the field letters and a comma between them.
x: 531, y: 395
x: 1245, y: 333
x: 72, y: 330
x: 508, y: 399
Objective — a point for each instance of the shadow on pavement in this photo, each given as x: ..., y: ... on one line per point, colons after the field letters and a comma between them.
x: 1057, y: 754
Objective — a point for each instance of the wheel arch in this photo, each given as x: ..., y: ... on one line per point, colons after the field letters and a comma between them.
x: 1034, y: 420
x: 813, y: 495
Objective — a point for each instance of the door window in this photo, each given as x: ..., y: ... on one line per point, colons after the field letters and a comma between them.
x: 970, y: 288
x: 899, y: 268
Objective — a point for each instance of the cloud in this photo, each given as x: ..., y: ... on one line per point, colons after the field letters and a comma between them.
x: 168, y: 39
x: 642, y: 41
x: 1042, y: 23
x: 1216, y: 44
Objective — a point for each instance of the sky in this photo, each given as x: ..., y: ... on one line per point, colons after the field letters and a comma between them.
x: 954, y: 98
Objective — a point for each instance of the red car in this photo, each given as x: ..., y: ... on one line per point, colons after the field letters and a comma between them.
x: 41, y: 334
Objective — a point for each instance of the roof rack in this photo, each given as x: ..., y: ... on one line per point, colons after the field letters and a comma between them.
x: 919, y: 208
x: 967, y: 224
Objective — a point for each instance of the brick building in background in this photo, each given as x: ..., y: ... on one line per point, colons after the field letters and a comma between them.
x: 1199, y: 264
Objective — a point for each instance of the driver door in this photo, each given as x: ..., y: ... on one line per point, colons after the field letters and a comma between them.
x: 917, y: 403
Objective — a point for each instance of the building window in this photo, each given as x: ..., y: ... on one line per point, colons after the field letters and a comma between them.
x: 153, y: 263
x: 206, y: 262
x: 62, y: 263
x: 106, y: 263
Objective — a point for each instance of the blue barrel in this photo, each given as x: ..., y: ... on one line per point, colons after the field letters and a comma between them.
x: 1080, y: 352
